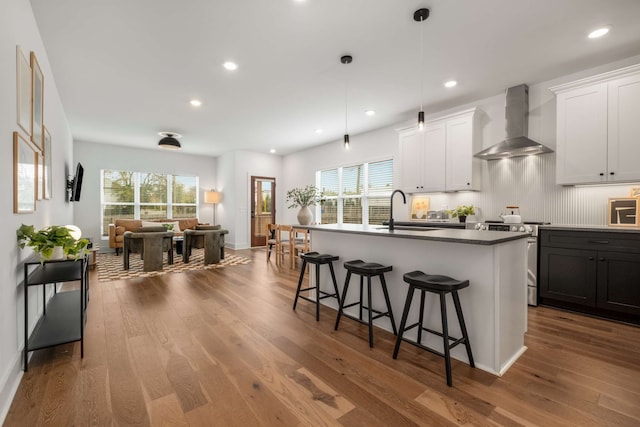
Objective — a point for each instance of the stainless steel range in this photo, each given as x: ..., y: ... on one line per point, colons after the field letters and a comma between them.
x: 532, y: 249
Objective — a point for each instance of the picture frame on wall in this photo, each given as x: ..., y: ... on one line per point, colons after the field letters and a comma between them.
x: 623, y: 212
x: 419, y: 208
x: 39, y: 175
x: 23, y: 92
x: 47, y: 173
x: 24, y: 175
x: 37, y: 105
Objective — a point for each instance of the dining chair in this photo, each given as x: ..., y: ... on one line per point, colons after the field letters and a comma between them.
x: 301, y: 244
x: 272, y: 241
x: 283, y: 243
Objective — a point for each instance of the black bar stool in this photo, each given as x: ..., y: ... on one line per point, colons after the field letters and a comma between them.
x: 441, y: 285
x: 367, y: 269
x: 317, y: 259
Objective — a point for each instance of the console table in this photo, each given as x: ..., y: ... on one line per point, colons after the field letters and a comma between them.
x: 64, y: 315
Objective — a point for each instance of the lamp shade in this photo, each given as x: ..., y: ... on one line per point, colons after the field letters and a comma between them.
x: 212, y: 197
x: 75, y: 231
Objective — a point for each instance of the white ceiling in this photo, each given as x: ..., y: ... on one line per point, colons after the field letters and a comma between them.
x: 126, y: 70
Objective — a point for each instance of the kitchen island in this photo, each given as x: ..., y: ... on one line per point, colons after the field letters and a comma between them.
x: 494, y: 262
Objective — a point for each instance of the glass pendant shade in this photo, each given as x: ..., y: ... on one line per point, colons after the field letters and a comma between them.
x: 346, y: 141
x: 421, y: 120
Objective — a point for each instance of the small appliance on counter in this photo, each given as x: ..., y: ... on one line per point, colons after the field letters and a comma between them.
x: 438, y: 216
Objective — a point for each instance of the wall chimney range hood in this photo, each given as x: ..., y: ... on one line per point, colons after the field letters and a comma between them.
x: 516, y: 142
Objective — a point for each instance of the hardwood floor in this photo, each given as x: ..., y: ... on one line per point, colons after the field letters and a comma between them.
x: 223, y: 347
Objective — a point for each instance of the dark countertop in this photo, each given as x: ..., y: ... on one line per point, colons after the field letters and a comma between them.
x: 472, y: 237
x: 593, y: 228
x: 428, y: 224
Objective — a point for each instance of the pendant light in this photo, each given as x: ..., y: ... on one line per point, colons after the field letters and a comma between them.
x: 421, y: 15
x: 169, y: 140
x: 346, y: 59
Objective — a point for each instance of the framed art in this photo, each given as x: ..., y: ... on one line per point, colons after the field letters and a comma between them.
x: 24, y: 175
x: 419, y: 208
x: 47, y: 173
x: 37, y: 105
x: 23, y: 92
x: 39, y: 175
x: 634, y: 192
x: 623, y: 212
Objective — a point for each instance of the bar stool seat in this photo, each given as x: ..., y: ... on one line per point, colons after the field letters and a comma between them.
x: 317, y: 259
x: 441, y: 285
x: 368, y: 270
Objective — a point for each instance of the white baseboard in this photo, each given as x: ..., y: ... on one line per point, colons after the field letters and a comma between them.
x: 9, y: 385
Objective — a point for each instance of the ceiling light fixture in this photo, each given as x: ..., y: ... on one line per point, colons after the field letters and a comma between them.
x: 169, y: 141
x: 195, y: 102
x: 346, y: 60
x: 370, y: 113
x: 599, y: 32
x: 231, y: 66
x: 420, y: 16
x: 318, y: 131
x: 272, y: 151
x: 450, y: 84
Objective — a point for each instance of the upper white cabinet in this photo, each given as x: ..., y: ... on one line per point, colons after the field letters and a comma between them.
x: 598, y: 129
x: 440, y: 157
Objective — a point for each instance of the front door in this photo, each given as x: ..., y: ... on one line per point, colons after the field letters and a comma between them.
x: 263, y: 208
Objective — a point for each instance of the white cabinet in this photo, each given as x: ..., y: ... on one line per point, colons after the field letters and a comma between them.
x: 624, y: 129
x: 440, y: 157
x: 412, y: 160
x: 598, y: 128
x: 462, y: 168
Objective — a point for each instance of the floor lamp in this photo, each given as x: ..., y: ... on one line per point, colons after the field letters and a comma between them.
x: 213, y: 197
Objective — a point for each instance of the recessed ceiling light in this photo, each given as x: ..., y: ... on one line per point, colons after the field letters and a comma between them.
x: 318, y: 131
x: 273, y: 150
x: 195, y: 102
x: 231, y: 66
x: 450, y: 83
x: 370, y: 113
x: 599, y: 32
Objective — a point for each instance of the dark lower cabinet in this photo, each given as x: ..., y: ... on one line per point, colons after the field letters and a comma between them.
x: 619, y: 282
x: 592, y: 272
x: 568, y: 275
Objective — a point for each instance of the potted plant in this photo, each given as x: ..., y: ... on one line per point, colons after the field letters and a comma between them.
x: 303, y: 198
x: 462, y: 212
x: 45, y: 242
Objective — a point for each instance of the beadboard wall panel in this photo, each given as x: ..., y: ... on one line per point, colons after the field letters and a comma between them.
x: 529, y: 182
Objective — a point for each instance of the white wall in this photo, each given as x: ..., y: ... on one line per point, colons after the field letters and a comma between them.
x: 18, y: 27
x: 95, y: 157
x: 234, y: 177
x: 528, y: 182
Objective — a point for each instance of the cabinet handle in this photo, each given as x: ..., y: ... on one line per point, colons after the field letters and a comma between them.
x: 602, y: 259
x: 601, y: 173
x: 600, y: 242
x: 612, y: 173
x: 590, y: 258
x: 468, y: 183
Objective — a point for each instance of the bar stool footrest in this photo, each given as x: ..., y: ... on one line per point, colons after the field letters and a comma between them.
x: 456, y: 341
x: 423, y: 347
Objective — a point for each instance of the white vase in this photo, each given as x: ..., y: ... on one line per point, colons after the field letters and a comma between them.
x: 305, y: 216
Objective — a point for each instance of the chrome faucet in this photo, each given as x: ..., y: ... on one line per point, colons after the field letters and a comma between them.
x: 404, y: 199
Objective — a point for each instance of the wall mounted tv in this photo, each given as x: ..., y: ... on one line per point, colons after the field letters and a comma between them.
x: 75, y: 185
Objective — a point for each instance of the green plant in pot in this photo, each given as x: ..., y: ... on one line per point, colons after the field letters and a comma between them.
x: 44, y: 241
x: 303, y: 198
x: 462, y: 212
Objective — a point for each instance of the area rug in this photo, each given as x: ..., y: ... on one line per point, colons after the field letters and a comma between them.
x: 110, y: 266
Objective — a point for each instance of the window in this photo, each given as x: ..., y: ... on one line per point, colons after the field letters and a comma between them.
x: 142, y: 195
x: 356, y: 194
